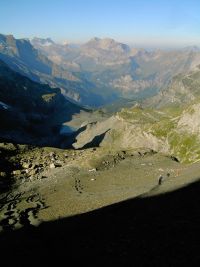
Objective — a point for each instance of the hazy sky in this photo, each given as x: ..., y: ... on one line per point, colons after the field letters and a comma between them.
x: 140, y: 22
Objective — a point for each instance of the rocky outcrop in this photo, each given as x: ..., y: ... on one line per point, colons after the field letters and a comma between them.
x: 122, y: 132
x: 190, y: 120
x: 137, y: 128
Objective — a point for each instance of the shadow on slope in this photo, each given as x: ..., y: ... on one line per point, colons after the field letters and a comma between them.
x: 157, y: 231
x: 96, y: 141
x: 6, y: 168
x: 30, y: 112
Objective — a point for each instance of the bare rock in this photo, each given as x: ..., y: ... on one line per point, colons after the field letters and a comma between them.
x: 52, y: 166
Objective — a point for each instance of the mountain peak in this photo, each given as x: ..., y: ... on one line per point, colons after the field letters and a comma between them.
x: 95, y: 39
x: 9, y: 36
x: 6, y: 38
x: 106, y: 44
x: 101, y: 40
x: 42, y: 41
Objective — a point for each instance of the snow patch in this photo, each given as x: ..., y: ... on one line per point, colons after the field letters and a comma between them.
x: 4, y: 106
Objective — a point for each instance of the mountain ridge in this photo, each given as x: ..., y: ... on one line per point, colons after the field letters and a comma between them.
x: 130, y: 73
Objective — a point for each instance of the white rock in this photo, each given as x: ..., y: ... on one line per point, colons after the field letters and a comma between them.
x: 52, y: 166
x: 92, y: 170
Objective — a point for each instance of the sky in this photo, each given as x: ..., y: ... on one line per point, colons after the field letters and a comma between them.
x: 153, y: 23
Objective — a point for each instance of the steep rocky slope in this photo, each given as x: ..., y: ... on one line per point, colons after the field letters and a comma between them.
x: 31, y: 112
x: 182, y: 89
x: 174, y: 132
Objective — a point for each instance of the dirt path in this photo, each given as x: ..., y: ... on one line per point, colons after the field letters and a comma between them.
x: 88, y: 190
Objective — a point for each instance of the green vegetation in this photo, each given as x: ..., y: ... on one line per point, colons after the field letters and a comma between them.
x: 140, y: 115
x: 163, y: 128
x: 173, y: 110
x: 185, y: 146
x: 163, y: 125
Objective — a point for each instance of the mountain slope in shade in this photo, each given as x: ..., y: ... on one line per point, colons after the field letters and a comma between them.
x: 22, y: 57
x: 31, y: 112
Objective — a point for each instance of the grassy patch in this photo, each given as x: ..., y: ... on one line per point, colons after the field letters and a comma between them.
x: 185, y: 146
x: 139, y: 115
x: 163, y: 128
x: 48, y: 97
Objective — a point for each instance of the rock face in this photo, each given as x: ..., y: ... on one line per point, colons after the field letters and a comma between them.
x: 190, y: 120
x: 22, y: 57
x: 107, y: 44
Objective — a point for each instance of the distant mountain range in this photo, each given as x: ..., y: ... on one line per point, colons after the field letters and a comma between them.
x: 98, y: 72
x: 115, y: 67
